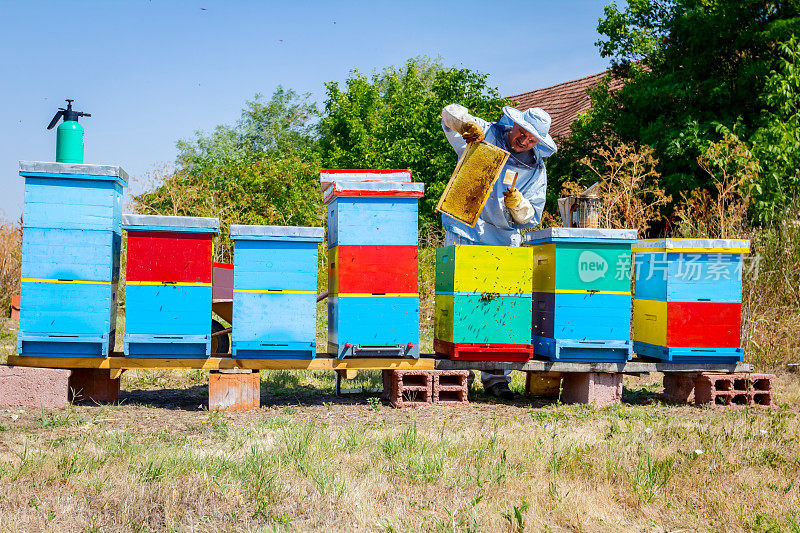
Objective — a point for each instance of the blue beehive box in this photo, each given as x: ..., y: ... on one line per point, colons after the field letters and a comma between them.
x: 373, y: 213
x: 687, y: 299
x: 275, y: 291
x: 581, y: 294
x: 70, y: 259
x: 168, y: 286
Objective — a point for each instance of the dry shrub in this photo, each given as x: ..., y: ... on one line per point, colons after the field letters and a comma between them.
x: 10, y: 262
x: 771, y: 299
x: 629, y: 191
x: 720, y: 213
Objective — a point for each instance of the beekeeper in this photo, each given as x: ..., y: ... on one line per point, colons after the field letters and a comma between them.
x: 525, y: 135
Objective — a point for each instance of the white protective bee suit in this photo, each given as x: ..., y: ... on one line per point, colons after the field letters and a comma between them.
x: 497, y: 224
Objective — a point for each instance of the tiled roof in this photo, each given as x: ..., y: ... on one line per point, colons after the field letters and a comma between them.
x: 563, y: 101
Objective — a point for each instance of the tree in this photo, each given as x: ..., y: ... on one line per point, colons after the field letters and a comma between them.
x: 692, y: 69
x: 262, y: 170
x: 393, y: 120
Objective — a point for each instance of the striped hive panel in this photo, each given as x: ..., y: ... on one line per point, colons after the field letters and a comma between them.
x: 484, y: 269
x: 687, y: 324
x: 486, y: 318
x: 577, y: 316
x: 373, y: 269
x: 63, y: 254
x: 168, y: 320
x: 70, y: 319
x: 688, y: 277
x: 274, y: 325
x: 373, y: 320
x: 582, y: 267
x: 372, y: 221
x: 158, y: 256
x: 69, y: 203
x: 275, y: 265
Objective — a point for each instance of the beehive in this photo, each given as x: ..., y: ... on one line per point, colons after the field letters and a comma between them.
x: 581, y: 293
x: 483, y: 302
x: 70, y: 259
x: 168, y: 285
x: 274, y: 291
x: 373, y: 306
x: 471, y: 182
x: 687, y: 303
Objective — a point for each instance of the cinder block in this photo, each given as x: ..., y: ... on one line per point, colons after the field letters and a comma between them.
x: 595, y: 388
x: 234, y: 390
x: 93, y: 385
x: 33, y: 387
x: 547, y: 384
x: 735, y: 390
x: 451, y: 387
x: 679, y: 387
x: 412, y: 388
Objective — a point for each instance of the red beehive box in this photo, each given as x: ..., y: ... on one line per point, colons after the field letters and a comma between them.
x: 373, y: 269
x: 167, y: 256
x: 704, y: 324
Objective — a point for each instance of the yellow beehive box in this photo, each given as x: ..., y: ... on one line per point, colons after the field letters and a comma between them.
x: 484, y: 269
x: 472, y: 180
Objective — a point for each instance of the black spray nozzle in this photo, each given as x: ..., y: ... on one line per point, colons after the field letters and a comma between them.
x: 67, y: 114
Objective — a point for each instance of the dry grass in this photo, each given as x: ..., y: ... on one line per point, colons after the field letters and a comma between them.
x: 334, y: 466
x: 10, y: 257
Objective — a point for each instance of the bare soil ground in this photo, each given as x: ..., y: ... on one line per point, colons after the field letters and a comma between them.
x: 308, y: 460
x: 311, y: 461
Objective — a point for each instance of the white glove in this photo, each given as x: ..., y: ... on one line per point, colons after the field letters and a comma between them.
x: 456, y: 117
x: 520, y: 208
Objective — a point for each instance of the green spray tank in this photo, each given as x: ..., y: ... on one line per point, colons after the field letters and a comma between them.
x: 69, y: 137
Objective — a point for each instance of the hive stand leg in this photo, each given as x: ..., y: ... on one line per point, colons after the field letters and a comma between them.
x: 679, y: 387
x: 546, y: 384
x: 234, y: 390
x: 93, y: 385
x: 348, y: 373
x: 594, y: 388
x: 386, y: 395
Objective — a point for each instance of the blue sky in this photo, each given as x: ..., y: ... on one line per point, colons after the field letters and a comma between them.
x: 155, y: 71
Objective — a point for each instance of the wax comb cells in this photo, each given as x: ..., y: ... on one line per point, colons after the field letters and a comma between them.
x: 471, y: 183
